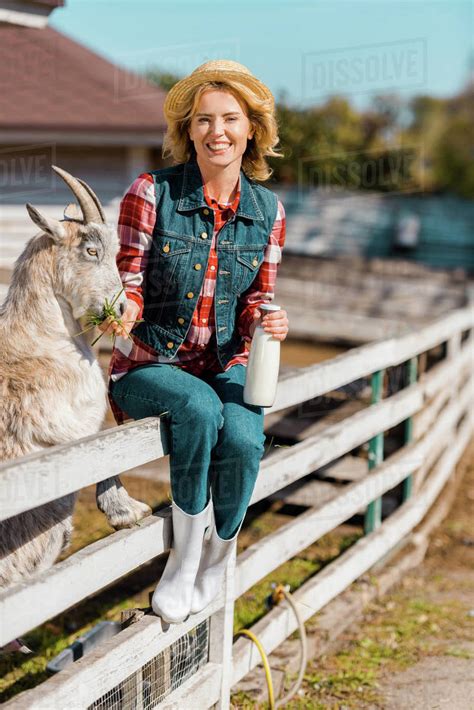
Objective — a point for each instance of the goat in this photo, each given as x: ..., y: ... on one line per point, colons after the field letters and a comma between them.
x: 51, y: 386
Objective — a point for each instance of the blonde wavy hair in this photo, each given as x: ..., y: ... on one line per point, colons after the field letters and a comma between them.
x: 260, y: 112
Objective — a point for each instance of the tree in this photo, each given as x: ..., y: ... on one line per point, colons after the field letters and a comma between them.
x: 334, y: 144
x: 165, y: 80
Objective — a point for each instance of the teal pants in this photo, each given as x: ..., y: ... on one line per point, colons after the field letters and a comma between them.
x: 216, y: 441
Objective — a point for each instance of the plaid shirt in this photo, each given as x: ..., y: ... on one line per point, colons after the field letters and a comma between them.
x: 197, y: 353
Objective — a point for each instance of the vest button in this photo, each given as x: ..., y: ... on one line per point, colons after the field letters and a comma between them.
x: 255, y: 262
x: 169, y: 345
x: 190, y: 294
x: 203, y: 235
x: 198, y: 267
x: 181, y: 321
x: 205, y: 211
x: 166, y: 248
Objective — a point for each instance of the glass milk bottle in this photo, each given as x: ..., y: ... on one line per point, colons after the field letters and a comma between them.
x: 261, y: 378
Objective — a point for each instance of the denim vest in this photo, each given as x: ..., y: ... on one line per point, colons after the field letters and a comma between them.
x: 179, y: 255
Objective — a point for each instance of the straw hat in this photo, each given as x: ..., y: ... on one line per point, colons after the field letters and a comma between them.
x: 215, y: 70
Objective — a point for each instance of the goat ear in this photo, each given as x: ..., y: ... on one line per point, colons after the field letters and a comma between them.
x: 52, y: 227
x: 72, y: 212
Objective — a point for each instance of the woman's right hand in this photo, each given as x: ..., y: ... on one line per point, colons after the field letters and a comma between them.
x: 111, y: 325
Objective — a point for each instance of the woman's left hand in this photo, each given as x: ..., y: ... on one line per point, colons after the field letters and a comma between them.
x: 276, y: 323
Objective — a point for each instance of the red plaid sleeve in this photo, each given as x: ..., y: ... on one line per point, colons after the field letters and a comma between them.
x: 135, y: 229
x: 263, y: 287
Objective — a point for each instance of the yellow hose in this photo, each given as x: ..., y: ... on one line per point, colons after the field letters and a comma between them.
x: 266, y: 666
x: 280, y: 593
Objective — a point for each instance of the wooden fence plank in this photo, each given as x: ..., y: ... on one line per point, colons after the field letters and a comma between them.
x: 340, y: 438
x: 305, y: 457
x: 435, y: 390
x: 435, y: 379
x: 363, y: 361
x: 309, y: 494
x: 44, y: 476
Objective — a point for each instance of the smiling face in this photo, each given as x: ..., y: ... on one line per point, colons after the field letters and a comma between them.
x: 219, y: 129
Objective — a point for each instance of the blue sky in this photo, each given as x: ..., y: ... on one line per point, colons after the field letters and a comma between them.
x: 309, y: 49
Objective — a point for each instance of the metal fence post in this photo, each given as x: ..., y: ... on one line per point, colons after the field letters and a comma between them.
x: 412, y: 373
x: 373, y: 514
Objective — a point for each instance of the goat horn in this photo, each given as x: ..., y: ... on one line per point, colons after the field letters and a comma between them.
x: 87, y: 203
x: 95, y: 198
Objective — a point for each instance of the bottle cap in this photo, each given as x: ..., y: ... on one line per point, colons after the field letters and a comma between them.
x: 269, y: 307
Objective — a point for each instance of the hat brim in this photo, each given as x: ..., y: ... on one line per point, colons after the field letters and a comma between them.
x: 178, y: 92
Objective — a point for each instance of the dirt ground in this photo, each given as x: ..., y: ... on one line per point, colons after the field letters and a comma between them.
x: 443, y: 677
x: 415, y: 647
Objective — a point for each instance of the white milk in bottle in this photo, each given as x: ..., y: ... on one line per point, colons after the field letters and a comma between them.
x: 263, y: 365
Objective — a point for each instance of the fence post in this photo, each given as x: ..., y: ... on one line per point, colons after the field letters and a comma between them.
x: 453, y: 345
x: 412, y: 372
x: 373, y: 514
x: 221, y: 635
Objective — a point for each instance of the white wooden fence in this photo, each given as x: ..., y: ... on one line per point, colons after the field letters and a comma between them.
x: 440, y: 405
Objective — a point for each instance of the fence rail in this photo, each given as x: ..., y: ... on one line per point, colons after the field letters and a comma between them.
x: 437, y: 406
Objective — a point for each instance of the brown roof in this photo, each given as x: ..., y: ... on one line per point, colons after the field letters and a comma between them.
x: 52, y: 3
x: 50, y: 82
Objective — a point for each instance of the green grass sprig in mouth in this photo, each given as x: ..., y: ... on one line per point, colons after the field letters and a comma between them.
x: 108, y: 311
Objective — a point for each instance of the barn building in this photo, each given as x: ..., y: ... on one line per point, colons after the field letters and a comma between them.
x: 63, y: 104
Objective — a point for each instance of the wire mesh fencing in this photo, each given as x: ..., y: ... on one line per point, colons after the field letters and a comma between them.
x: 152, y: 683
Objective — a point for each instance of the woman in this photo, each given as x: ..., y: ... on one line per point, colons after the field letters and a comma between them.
x: 200, y: 245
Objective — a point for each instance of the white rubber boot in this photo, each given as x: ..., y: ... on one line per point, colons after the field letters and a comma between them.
x: 173, y: 594
x: 215, y: 555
